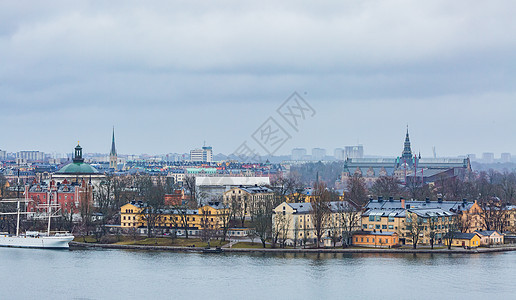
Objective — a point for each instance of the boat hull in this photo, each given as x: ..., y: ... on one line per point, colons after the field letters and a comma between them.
x: 54, y: 242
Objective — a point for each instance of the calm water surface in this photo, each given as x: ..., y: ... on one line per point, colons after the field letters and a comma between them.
x: 120, y: 274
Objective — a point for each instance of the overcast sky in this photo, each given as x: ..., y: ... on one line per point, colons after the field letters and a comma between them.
x: 172, y: 74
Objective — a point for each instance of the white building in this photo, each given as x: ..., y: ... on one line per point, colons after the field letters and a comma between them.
x: 203, y: 155
x: 318, y: 154
x: 30, y: 155
x: 354, y: 151
x: 298, y: 153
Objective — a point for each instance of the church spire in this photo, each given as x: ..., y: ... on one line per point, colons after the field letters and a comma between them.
x: 113, y: 149
x: 407, y: 152
x: 112, y: 155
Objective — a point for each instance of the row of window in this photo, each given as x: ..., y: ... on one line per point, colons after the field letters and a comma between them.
x: 380, y: 241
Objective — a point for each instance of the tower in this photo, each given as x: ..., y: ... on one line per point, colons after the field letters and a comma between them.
x: 112, y: 155
x: 407, y: 152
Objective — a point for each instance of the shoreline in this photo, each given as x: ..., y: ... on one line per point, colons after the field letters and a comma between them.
x: 281, y: 250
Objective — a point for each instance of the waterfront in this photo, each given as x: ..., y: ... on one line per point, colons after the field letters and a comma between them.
x: 102, y: 274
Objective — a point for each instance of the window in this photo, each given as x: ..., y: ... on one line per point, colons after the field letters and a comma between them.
x: 391, y: 219
x: 384, y: 226
x: 391, y: 227
x: 378, y: 218
x: 368, y: 240
x: 377, y: 226
x: 364, y: 226
x: 371, y: 218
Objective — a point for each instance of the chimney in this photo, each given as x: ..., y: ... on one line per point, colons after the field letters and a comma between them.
x: 391, y: 199
x: 440, y: 200
x: 402, y: 202
x: 427, y: 200
x: 380, y: 198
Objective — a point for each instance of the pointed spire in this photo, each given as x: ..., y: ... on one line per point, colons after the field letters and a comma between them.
x: 113, y: 148
x: 407, y: 151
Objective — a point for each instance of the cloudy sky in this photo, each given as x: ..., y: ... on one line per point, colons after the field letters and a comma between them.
x: 172, y: 74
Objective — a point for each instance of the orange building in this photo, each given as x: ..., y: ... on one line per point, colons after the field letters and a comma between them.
x: 375, y: 239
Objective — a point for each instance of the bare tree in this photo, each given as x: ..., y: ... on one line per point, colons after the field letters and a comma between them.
x: 357, y: 191
x: 414, y: 227
x: 262, y: 220
x: 154, y: 197
x: 451, y: 228
x: 320, y: 210
x: 386, y: 186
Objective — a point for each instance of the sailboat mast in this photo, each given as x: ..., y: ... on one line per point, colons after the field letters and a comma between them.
x: 18, y: 218
x: 49, y: 216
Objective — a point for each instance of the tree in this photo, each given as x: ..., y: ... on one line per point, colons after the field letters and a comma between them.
x: 153, y: 194
x: 451, y: 227
x: 320, y: 210
x: 262, y: 220
x: 414, y: 227
x: 432, y: 230
x: 191, y: 187
x: 387, y: 186
x: 349, y: 217
x: 357, y: 191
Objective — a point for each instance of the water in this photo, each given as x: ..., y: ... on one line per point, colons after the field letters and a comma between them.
x: 120, y: 274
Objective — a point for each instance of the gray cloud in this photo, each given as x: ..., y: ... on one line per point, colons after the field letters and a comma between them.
x: 169, y: 75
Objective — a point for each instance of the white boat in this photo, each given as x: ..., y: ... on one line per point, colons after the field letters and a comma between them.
x: 34, y: 239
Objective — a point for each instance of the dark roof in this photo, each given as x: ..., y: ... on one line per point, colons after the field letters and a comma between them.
x: 364, y: 232
x: 464, y: 236
x: 486, y: 232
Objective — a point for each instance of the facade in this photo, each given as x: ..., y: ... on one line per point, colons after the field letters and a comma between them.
x: 391, y: 215
x: 248, y: 197
x: 71, y: 198
x: 293, y: 221
x: 491, y: 237
x: 471, y: 240
x: 202, y: 155
x: 375, y: 239
x: 209, y: 217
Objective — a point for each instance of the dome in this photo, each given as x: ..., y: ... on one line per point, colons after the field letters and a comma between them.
x: 77, y: 168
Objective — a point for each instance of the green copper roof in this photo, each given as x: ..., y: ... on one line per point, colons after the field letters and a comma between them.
x: 77, y: 168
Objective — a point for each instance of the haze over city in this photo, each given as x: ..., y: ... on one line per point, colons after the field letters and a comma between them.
x: 170, y: 76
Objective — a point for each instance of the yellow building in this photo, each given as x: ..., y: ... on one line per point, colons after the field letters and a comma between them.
x: 433, y: 222
x: 247, y: 197
x: 130, y: 214
x: 305, y: 196
x: 293, y: 222
x: 460, y: 239
x: 212, y: 216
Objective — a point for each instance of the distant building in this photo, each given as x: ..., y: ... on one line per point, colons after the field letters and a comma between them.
x: 408, y: 168
x: 318, y: 154
x: 298, y: 153
x: 472, y: 156
x: 112, y: 154
x: 354, y: 151
x: 30, y: 155
x: 202, y: 155
x: 505, y: 157
x: 339, y: 154
x: 3, y: 155
x: 488, y: 157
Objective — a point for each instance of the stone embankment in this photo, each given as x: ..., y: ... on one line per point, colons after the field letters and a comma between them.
x: 299, y: 250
